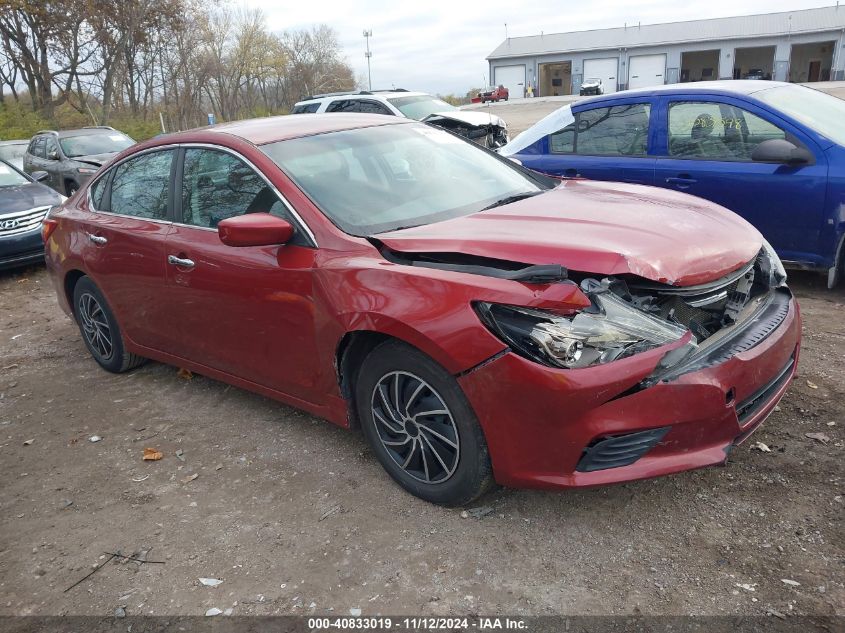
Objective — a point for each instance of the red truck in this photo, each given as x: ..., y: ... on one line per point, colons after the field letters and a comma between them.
x: 494, y: 94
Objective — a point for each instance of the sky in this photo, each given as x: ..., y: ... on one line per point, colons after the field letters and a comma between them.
x: 440, y: 47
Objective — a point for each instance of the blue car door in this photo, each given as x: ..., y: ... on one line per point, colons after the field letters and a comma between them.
x: 705, y: 144
x: 607, y: 141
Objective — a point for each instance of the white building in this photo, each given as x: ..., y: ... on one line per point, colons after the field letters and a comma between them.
x: 799, y: 46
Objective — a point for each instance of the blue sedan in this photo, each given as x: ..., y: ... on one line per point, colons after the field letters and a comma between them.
x: 772, y: 152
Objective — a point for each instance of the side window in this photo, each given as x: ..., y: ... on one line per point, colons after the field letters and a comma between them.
x: 37, y: 147
x: 345, y: 105
x: 307, y: 108
x: 97, y: 191
x: 373, y: 107
x: 140, y: 186
x: 615, y: 131
x: 217, y: 185
x: 563, y: 141
x: 51, y: 147
x: 716, y: 131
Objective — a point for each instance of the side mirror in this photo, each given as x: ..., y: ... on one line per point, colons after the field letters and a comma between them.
x: 39, y: 176
x: 780, y: 151
x: 53, y: 155
x: 254, y: 229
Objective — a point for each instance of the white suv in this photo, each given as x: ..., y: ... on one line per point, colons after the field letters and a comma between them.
x: 481, y: 127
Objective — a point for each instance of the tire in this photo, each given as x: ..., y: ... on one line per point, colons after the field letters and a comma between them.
x: 100, y: 330
x: 71, y: 188
x: 448, y: 462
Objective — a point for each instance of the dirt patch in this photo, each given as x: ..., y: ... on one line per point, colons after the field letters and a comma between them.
x: 296, y: 517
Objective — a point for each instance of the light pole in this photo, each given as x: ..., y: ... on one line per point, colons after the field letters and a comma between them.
x: 368, y: 33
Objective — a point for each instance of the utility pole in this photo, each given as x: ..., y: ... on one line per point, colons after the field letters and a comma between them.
x: 368, y: 33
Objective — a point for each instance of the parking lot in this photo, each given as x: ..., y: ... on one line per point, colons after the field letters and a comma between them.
x: 295, y: 515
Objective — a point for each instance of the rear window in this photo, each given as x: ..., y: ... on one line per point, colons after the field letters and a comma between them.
x: 305, y: 108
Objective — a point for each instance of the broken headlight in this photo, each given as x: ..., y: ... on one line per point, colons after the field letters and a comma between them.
x: 770, y: 266
x: 610, y: 329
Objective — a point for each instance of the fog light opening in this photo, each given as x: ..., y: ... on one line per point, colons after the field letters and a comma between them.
x: 730, y: 396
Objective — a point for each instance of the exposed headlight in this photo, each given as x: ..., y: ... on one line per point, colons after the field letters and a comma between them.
x: 771, y: 266
x: 87, y: 170
x: 609, y: 330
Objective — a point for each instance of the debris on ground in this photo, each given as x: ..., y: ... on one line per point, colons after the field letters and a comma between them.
x: 354, y: 612
x: 812, y: 385
x: 120, y: 612
x: 213, y: 611
x: 819, y: 437
x: 94, y: 439
x: 180, y: 454
x: 211, y: 582
x: 791, y: 583
x: 190, y: 478
x: 29, y: 442
x: 138, y: 480
x: 152, y: 455
x: 760, y: 446
x: 187, y: 375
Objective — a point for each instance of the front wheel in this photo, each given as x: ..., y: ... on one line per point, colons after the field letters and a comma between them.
x: 100, y: 330
x: 419, y: 424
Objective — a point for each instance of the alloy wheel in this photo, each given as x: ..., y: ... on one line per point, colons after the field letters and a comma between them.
x: 95, y: 326
x: 415, y: 427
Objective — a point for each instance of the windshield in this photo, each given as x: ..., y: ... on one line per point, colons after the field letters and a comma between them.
x: 13, y: 152
x: 420, y: 106
x: 822, y: 112
x: 10, y: 177
x: 91, y: 144
x: 378, y: 179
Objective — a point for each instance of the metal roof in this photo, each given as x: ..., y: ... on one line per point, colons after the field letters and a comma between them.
x: 746, y: 26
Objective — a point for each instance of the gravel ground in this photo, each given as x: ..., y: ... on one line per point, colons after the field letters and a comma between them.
x: 296, y: 517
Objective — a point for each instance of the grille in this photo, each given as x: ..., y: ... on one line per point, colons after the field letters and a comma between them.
x: 621, y: 450
x: 22, y: 221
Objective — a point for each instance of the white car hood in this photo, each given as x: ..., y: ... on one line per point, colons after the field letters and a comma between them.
x: 468, y: 117
x: 550, y: 124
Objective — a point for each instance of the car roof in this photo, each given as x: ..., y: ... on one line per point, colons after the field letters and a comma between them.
x: 365, y: 95
x: 724, y: 87
x: 281, y: 128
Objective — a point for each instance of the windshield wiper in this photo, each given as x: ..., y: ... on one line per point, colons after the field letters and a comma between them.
x: 514, y: 198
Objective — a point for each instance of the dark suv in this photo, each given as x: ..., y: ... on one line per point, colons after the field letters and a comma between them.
x: 71, y: 157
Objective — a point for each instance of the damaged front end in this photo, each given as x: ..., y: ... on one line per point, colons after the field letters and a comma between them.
x: 491, y: 134
x: 709, y: 322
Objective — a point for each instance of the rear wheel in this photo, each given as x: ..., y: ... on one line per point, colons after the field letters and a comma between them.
x: 422, y: 429
x: 100, y: 330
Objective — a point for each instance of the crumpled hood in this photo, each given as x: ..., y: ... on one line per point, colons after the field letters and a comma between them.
x: 601, y: 228
x: 469, y: 117
x: 28, y: 196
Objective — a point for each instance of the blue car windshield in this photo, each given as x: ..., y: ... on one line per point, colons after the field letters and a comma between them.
x: 820, y: 111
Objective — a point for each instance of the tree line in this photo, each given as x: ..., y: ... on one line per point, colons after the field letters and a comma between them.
x: 137, y: 63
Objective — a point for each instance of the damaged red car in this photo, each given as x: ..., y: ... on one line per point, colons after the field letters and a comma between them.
x: 480, y: 323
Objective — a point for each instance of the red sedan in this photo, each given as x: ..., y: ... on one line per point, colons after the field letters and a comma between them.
x: 478, y: 322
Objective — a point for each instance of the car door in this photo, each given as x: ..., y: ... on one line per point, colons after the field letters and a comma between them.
x: 246, y: 311
x: 606, y: 142
x: 35, y: 158
x: 706, y: 145
x: 130, y: 214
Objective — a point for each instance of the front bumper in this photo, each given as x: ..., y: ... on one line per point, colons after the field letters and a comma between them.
x: 541, y: 423
x: 22, y: 249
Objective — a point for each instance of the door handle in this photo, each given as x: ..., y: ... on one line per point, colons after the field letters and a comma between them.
x: 179, y: 261
x: 681, y: 182
x: 98, y: 239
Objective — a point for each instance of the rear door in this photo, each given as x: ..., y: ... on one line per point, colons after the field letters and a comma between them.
x: 246, y: 311
x: 605, y: 142
x: 130, y: 216
x: 35, y: 158
x: 706, y: 151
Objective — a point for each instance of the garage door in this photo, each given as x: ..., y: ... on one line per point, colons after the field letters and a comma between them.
x: 646, y: 70
x: 512, y: 78
x: 604, y: 69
